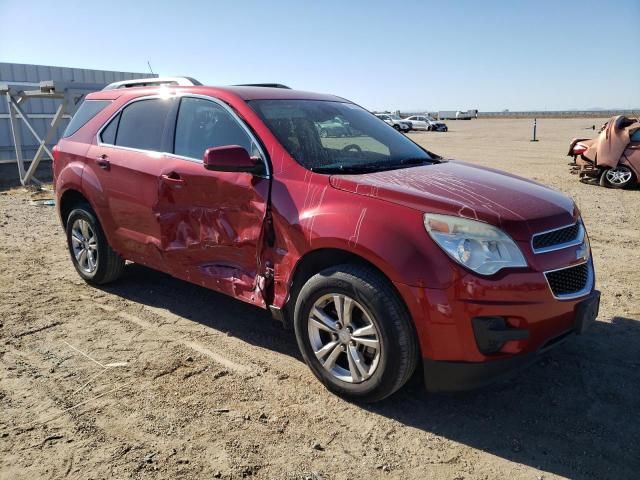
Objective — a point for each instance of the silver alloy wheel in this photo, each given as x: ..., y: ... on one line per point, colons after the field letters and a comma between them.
x: 84, y: 244
x: 344, y: 338
x: 618, y: 175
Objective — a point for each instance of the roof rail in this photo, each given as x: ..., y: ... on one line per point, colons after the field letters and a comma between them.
x: 268, y: 85
x: 152, y: 81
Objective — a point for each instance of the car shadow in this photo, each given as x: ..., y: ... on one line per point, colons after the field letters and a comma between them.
x: 234, y: 317
x: 574, y: 413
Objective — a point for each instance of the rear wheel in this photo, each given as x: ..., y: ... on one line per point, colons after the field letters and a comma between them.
x: 92, y: 256
x: 397, y: 127
x: 617, y: 177
x: 354, y: 333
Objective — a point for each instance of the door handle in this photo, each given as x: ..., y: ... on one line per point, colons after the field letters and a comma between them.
x: 103, y: 162
x: 172, y: 179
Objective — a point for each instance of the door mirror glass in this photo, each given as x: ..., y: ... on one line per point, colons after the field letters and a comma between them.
x: 232, y: 158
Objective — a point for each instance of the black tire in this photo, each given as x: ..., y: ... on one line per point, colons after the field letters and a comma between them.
x: 397, y: 338
x: 109, y: 264
x: 397, y: 127
x: 606, y: 182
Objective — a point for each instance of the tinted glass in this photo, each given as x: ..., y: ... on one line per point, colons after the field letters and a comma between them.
x: 203, y: 124
x: 326, y: 136
x: 86, y: 111
x: 108, y: 135
x: 142, y: 124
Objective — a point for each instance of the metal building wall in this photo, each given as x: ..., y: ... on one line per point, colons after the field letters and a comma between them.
x: 44, y: 110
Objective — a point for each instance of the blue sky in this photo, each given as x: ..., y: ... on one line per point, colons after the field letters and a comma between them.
x: 408, y: 55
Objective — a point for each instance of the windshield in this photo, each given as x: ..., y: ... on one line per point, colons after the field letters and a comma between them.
x: 335, y: 137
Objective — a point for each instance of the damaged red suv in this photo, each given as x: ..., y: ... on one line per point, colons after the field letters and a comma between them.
x: 380, y: 254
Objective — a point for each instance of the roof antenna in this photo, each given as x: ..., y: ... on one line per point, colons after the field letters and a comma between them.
x: 150, y: 69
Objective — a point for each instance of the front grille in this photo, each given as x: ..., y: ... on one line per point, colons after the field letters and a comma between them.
x: 569, y: 281
x: 555, y: 238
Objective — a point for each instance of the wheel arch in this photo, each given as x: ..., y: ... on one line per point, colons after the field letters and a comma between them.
x: 314, y: 261
x: 70, y: 198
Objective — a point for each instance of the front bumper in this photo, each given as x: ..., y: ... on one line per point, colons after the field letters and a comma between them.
x: 455, y: 376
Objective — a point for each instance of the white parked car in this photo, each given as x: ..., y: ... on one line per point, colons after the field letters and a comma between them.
x: 423, y: 122
x: 395, y: 121
x: 418, y: 122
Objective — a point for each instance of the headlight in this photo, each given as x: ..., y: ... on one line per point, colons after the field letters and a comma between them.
x: 478, y: 246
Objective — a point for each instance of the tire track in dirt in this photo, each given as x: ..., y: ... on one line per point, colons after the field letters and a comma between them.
x: 158, y: 331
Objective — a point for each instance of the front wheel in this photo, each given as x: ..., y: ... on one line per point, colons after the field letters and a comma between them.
x: 92, y: 256
x: 354, y: 333
x: 617, y: 177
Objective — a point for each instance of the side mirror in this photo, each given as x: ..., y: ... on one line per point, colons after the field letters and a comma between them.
x: 232, y: 158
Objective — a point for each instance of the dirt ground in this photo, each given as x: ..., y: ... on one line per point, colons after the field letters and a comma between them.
x: 155, y: 378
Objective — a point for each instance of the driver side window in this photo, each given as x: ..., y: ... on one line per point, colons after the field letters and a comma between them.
x: 203, y: 124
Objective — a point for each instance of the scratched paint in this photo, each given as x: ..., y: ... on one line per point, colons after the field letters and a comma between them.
x: 465, y: 190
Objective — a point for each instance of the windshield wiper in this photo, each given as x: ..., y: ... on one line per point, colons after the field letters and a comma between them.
x: 416, y: 161
x: 373, y: 167
x: 354, y: 169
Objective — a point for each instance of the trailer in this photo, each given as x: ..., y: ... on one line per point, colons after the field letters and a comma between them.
x: 457, y: 114
x: 447, y: 115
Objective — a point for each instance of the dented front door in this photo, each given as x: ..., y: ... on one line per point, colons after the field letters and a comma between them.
x: 211, y: 223
x: 211, y: 226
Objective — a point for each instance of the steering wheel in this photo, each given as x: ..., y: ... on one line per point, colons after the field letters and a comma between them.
x: 352, y: 146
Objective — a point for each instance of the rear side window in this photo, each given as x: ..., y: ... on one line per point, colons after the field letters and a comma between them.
x: 204, y: 124
x: 142, y: 124
x: 86, y: 111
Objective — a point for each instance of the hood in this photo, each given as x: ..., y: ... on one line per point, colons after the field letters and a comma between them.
x: 519, y: 206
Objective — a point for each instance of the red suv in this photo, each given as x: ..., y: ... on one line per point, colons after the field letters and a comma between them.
x: 380, y: 254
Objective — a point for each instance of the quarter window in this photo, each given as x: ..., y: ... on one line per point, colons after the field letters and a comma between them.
x: 85, y: 112
x: 142, y: 124
x: 204, y: 124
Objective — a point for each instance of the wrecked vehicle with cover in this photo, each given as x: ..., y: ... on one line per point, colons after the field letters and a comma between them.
x: 380, y: 254
x: 612, y: 159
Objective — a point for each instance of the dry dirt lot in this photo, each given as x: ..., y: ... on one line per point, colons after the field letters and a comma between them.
x: 155, y: 378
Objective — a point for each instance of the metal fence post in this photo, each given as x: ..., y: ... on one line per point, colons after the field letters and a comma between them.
x: 535, y: 121
x: 15, y: 133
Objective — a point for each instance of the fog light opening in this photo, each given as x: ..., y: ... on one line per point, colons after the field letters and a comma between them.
x: 492, y: 333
